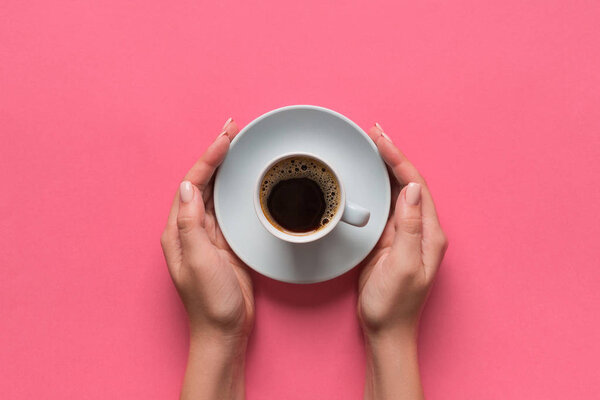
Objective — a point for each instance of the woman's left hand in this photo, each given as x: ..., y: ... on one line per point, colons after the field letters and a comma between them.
x: 396, y: 279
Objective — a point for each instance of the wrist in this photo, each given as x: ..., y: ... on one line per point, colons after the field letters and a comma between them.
x: 215, y: 367
x: 400, y: 339
x: 220, y: 332
x: 404, y: 331
x: 221, y: 345
x: 392, y: 364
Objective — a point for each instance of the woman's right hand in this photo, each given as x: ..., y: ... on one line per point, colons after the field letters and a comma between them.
x: 213, y: 283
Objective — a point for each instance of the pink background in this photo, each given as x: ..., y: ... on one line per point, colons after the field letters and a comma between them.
x: 105, y: 105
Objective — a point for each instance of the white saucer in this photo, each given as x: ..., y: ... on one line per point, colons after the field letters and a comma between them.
x: 330, y: 136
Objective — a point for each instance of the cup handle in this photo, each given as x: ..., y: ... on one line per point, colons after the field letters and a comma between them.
x: 355, y: 214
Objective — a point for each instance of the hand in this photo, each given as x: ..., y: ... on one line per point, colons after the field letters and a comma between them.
x: 396, y: 278
x: 212, y: 281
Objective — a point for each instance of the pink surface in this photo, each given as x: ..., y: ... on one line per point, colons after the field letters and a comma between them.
x: 104, y: 106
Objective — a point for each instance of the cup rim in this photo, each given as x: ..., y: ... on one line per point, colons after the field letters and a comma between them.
x: 293, y: 237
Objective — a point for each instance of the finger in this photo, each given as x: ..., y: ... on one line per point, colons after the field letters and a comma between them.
x: 394, y: 158
x: 231, y: 128
x: 201, y: 173
x: 170, y: 246
x: 404, y: 171
x: 395, y: 191
x: 434, y: 247
x: 409, y: 226
x: 169, y: 239
x: 203, y: 170
x: 388, y: 235
x: 376, y: 131
x: 172, y: 219
x: 434, y: 241
x: 190, y: 217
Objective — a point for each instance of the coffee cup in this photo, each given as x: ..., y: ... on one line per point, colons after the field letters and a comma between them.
x: 299, y: 198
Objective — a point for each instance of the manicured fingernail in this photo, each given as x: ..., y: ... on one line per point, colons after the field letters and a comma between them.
x: 186, y: 191
x: 227, y: 123
x: 382, y: 132
x: 413, y: 194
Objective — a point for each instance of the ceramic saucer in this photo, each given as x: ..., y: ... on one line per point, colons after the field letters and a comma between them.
x: 330, y: 136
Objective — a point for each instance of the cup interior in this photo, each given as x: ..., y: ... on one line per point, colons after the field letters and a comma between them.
x: 333, y: 217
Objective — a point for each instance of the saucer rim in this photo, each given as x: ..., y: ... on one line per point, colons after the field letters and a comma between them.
x: 387, y: 194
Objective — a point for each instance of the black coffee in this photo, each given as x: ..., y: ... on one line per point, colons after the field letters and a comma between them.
x: 299, y: 194
x: 297, y: 204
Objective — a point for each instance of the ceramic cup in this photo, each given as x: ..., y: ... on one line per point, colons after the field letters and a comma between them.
x: 347, y: 211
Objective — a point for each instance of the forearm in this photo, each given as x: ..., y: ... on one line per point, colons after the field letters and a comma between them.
x: 215, y: 369
x: 393, y: 367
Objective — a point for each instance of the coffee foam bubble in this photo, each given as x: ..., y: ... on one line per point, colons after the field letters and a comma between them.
x: 302, y: 167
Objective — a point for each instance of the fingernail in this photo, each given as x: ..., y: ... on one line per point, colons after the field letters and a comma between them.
x: 227, y: 123
x: 413, y: 194
x: 186, y: 191
x: 382, y: 132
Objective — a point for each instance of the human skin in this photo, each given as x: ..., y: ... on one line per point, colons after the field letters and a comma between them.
x: 213, y: 283
x: 216, y: 289
x: 396, y: 279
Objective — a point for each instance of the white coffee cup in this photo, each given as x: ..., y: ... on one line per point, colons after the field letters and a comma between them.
x: 346, y: 211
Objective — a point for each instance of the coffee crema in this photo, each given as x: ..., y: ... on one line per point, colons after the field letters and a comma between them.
x: 299, y: 194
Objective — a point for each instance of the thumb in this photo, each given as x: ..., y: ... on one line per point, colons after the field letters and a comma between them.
x: 409, y: 224
x: 190, y: 216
